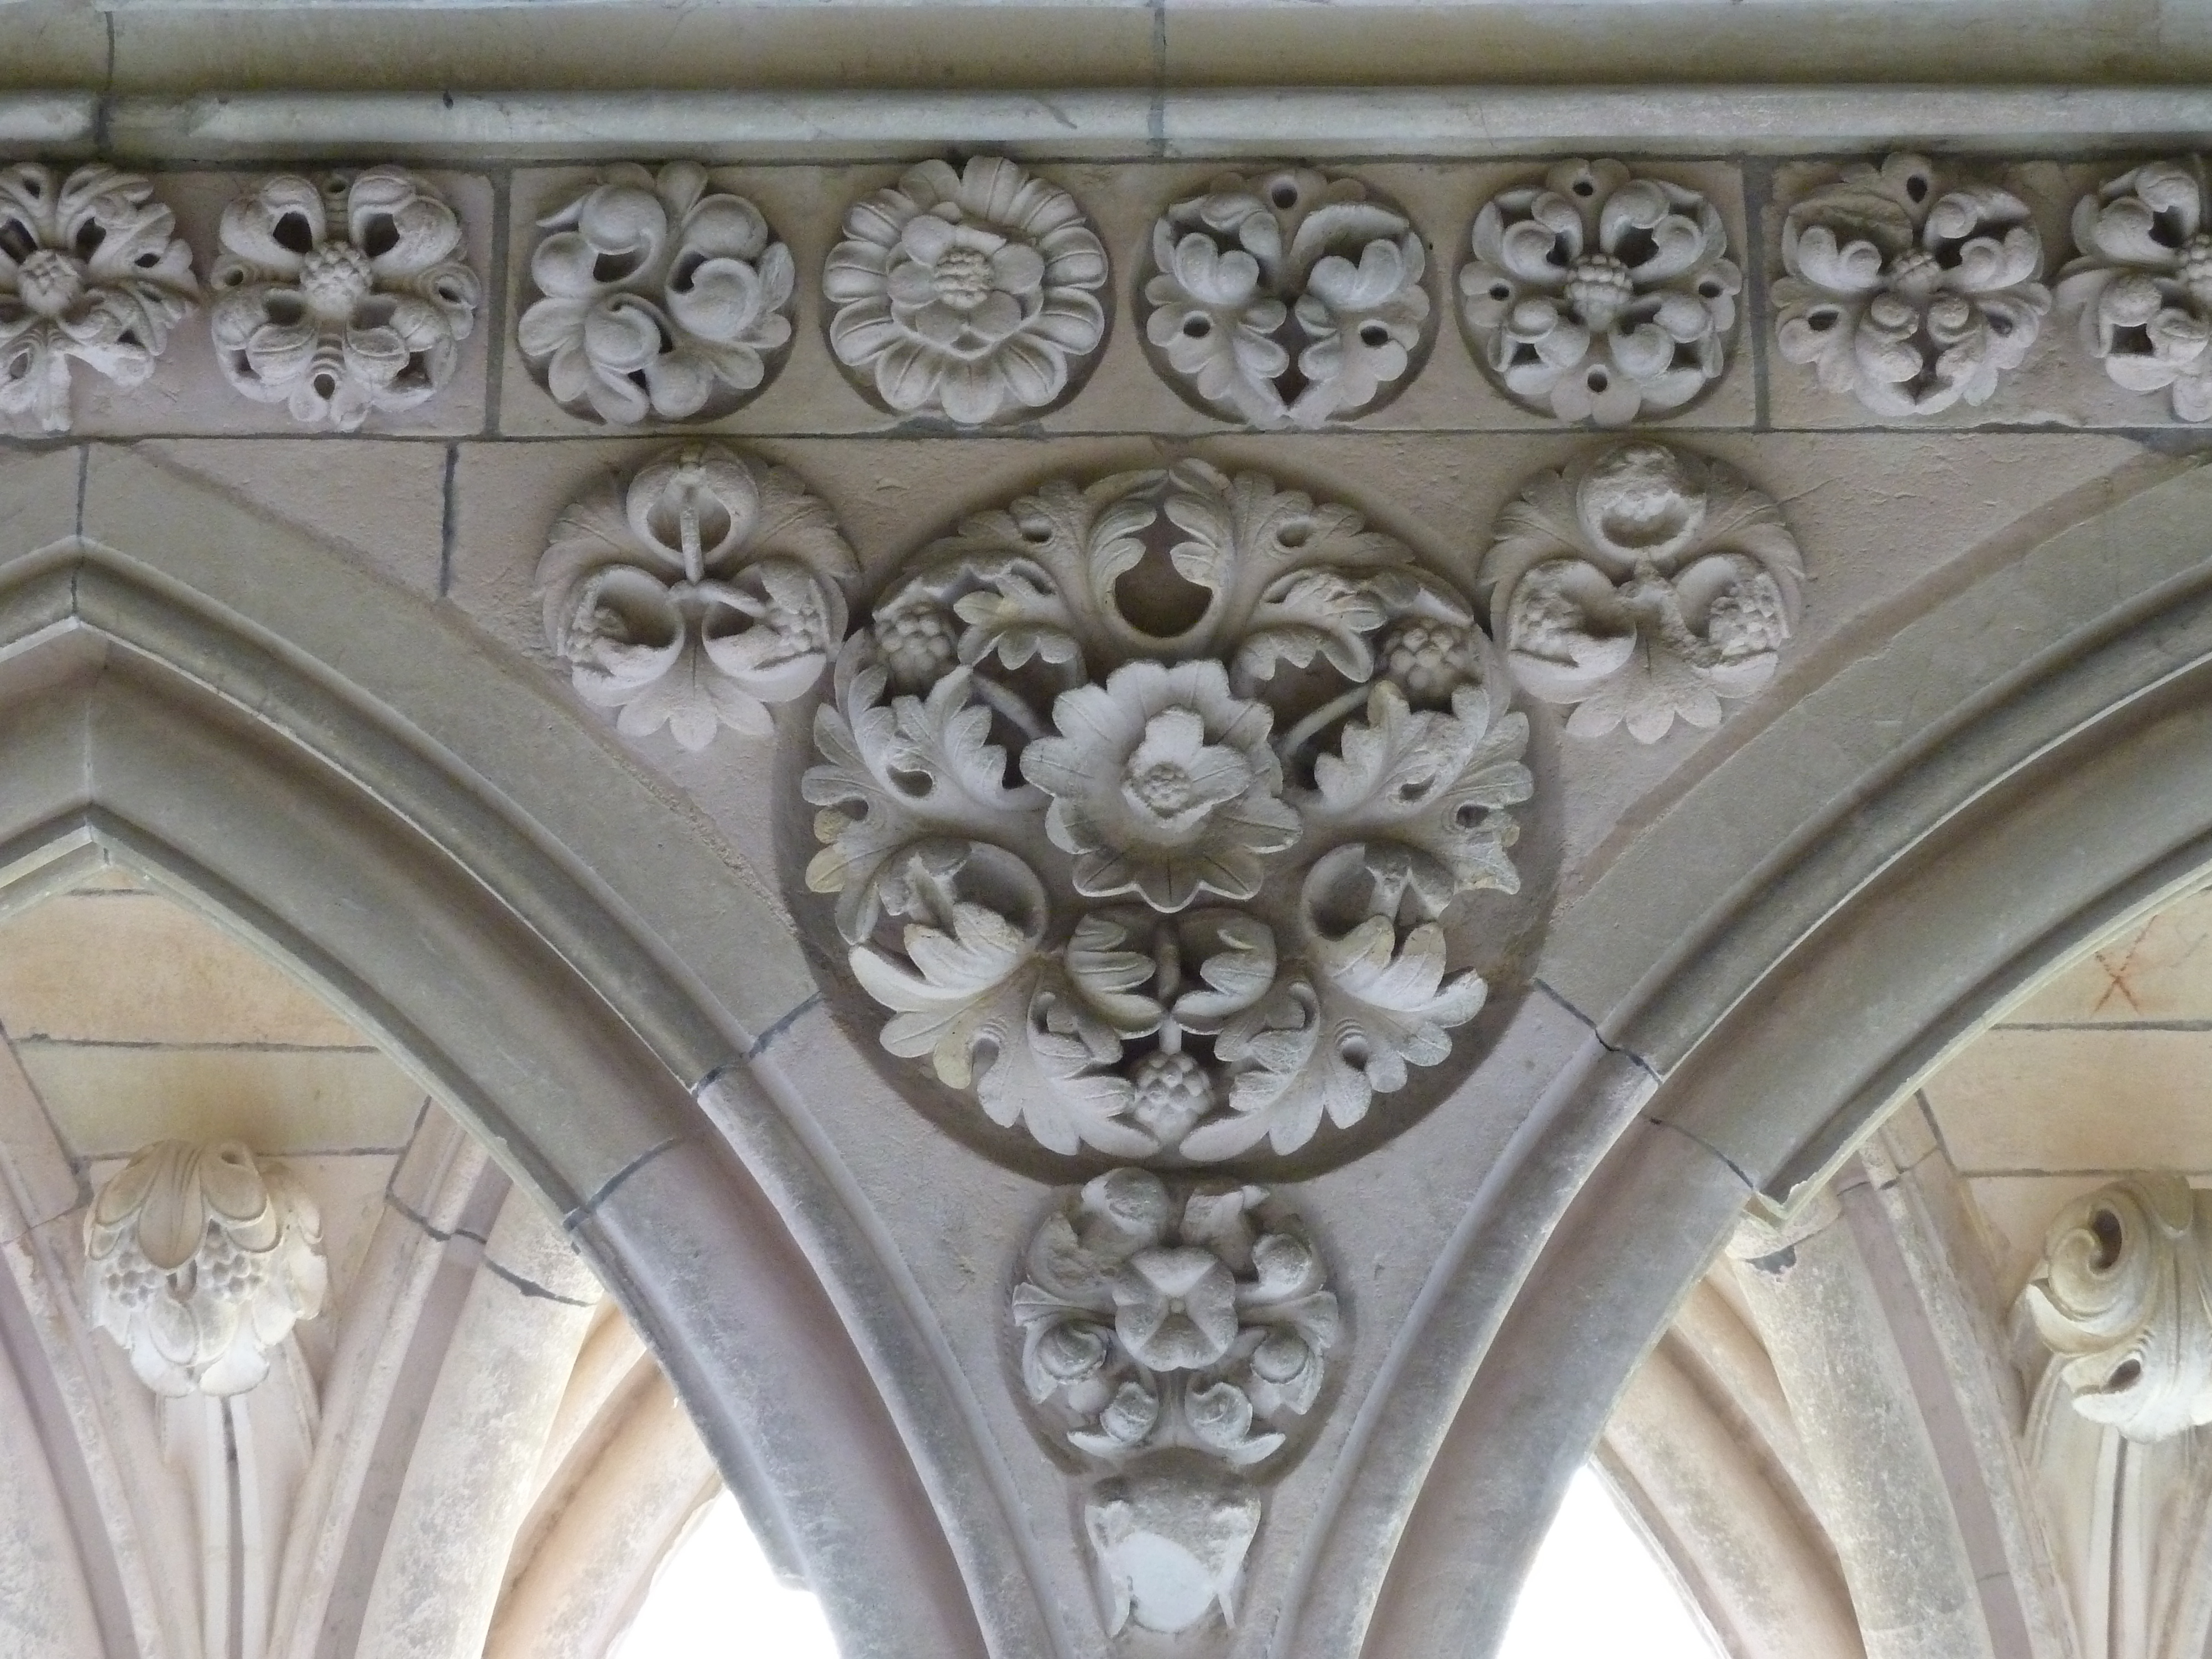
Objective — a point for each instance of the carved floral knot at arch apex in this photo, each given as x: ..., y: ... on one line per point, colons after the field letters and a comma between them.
x: 2123, y: 1297
x: 1172, y: 1336
x: 198, y: 1261
x: 1262, y: 749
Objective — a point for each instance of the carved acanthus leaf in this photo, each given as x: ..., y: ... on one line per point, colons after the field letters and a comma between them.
x: 199, y: 1261
x: 341, y: 297
x: 1260, y: 752
x: 1599, y: 295
x: 90, y: 272
x: 1910, y: 294
x: 704, y: 589
x: 2143, y: 284
x: 1642, y: 586
x: 1290, y: 300
x: 661, y: 297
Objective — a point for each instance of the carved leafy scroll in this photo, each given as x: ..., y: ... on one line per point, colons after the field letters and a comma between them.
x: 697, y: 593
x: 1598, y: 296
x: 2143, y: 285
x: 1910, y: 293
x: 92, y: 273
x: 1290, y: 300
x: 1145, y: 804
x: 1172, y: 1336
x: 1643, y: 586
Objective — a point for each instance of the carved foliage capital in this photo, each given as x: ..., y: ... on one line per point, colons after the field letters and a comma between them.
x: 200, y: 1261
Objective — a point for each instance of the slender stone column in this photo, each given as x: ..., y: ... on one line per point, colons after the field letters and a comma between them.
x: 1878, y: 1484
x: 468, y: 1482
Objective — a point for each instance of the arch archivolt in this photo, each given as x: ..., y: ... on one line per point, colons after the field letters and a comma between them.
x: 1674, y: 810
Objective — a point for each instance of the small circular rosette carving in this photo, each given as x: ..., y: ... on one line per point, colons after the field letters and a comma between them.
x: 969, y: 295
x: 199, y: 1261
x: 661, y: 298
x: 341, y: 297
x: 695, y: 594
x: 1144, y: 805
x: 91, y: 272
x: 2123, y: 1297
x: 1642, y: 586
x: 1909, y: 296
x: 2143, y: 285
x: 1598, y: 296
x: 1287, y: 301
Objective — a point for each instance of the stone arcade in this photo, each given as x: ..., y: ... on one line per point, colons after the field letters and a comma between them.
x: 1187, y: 832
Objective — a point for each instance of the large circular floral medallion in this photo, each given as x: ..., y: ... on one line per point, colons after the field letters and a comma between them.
x: 1146, y: 806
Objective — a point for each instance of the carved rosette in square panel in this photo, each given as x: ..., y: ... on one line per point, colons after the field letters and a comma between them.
x: 2143, y: 285
x: 1148, y: 806
x: 660, y: 296
x: 342, y: 296
x: 1291, y: 299
x: 1907, y: 290
x: 91, y: 272
x: 1600, y: 296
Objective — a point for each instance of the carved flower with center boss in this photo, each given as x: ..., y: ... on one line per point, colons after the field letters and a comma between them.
x: 1598, y: 296
x: 1144, y: 805
x: 969, y: 295
x: 90, y: 272
x: 1910, y: 296
x: 341, y: 298
x: 2143, y: 283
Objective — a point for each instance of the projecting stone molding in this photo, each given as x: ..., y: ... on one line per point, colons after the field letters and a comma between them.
x: 1174, y: 1337
x: 1260, y: 749
x: 199, y: 1261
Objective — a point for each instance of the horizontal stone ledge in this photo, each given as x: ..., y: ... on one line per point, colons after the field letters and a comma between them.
x: 1310, y: 121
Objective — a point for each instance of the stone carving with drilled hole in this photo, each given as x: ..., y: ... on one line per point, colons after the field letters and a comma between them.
x: 1598, y: 296
x: 1144, y: 803
x: 707, y: 587
x: 1290, y: 300
x: 1909, y: 296
x: 341, y: 298
x: 91, y: 271
x: 1172, y: 1335
x: 662, y: 298
x: 2123, y: 1297
x: 200, y: 1261
x: 1642, y: 586
x: 2143, y: 283
x: 971, y: 295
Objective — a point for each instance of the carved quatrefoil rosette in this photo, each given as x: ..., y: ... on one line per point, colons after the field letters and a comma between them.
x: 199, y: 1261
x: 341, y: 298
x: 662, y: 298
x: 1146, y: 804
x: 1642, y: 586
x: 1909, y: 296
x: 2123, y: 1297
x: 1292, y: 299
x: 1600, y: 296
x: 1171, y: 1336
x: 90, y: 272
x: 968, y: 295
x: 707, y: 587
x: 2143, y: 282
